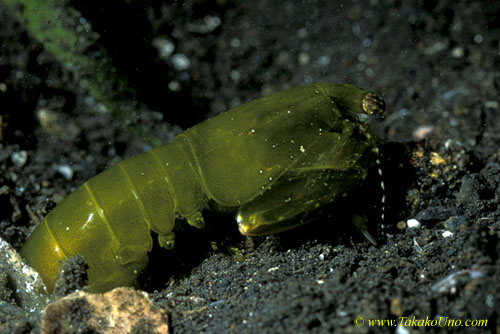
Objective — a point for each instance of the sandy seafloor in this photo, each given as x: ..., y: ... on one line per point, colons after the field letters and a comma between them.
x: 436, y: 63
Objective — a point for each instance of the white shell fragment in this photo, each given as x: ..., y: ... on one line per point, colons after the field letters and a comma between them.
x: 25, y: 282
x: 413, y: 223
x: 447, y: 234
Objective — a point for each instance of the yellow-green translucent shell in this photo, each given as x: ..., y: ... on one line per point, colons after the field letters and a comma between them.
x: 255, y: 156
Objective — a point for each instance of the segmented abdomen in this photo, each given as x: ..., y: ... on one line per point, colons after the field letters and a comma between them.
x: 108, y: 219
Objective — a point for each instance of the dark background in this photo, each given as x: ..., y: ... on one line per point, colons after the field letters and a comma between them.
x: 436, y: 63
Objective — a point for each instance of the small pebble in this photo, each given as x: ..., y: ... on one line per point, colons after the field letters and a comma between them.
x: 413, y: 223
x: 19, y: 158
x: 180, y: 62
x: 65, y: 171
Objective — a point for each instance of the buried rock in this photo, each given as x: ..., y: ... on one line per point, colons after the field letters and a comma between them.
x: 122, y: 310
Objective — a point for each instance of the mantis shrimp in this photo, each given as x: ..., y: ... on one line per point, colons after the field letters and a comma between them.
x: 273, y: 158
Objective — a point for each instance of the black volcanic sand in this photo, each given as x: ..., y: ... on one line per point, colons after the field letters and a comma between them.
x: 437, y: 67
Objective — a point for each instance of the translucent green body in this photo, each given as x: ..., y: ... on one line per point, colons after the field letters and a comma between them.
x: 275, y: 158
